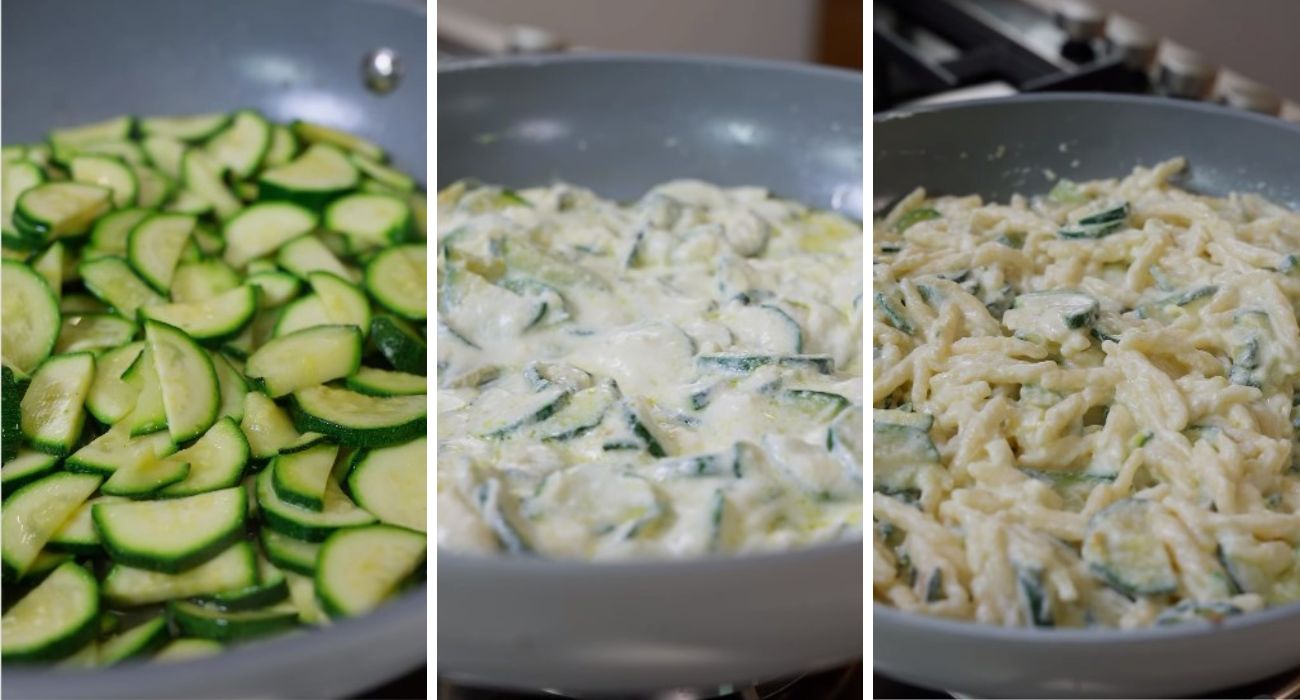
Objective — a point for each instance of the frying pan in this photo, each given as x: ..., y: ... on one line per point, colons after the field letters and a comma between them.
x: 620, y: 124
x: 72, y: 61
x: 994, y: 148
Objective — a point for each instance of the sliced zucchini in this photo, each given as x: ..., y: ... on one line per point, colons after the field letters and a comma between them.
x: 115, y: 129
x: 11, y: 400
x: 357, y: 420
x: 186, y: 202
x: 379, y: 382
x: 263, y: 228
x: 216, y: 461
x: 271, y: 588
x: 744, y: 363
x: 187, y: 127
x: 107, y: 172
x: 155, y: 245
x: 25, y: 467
x: 306, y: 358
x: 382, y: 174
x: 172, y: 535
x: 360, y: 567
x: 16, y: 178
x: 915, y: 216
x: 211, y: 320
x: 303, y: 313
x: 764, y: 328
x: 1098, y: 225
x: 242, y: 145
x: 112, y: 280
x: 266, y: 425
x: 165, y: 153
x: 298, y: 556
x: 53, y: 407
x: 300, y: 477
x: 154, y: 188
x: 77, y: 534
x: 274, y: 288
x: 397, y: 278
x: 390, y: 483
x: 500, y: 414
x: 306, y: 254
x: 316, y: 177
x: 117, y: 449
x: 141, y: 640
x: 111, y: 230
x: 527, y: 260
x: 149, y: 413
x: 232, y: 386
x: 894, y: 315
x: 94, y: 332
x: 900, y: 453
x: 400, y: 345
x: 369, y: 220
x: 284, y: 146
x: 484, y: 312
x: 233, y: 569
x: 302, y: 523
x: 202, y: 178
x: 60, y: 209
x: 1049, y: 314
x: 33, y: 513
x: 188, y: 649
x: 344, y: 302
x: 210, y: 622
x: 318, y: 133
x: 581, y: 412
x: 50, y: 265
x: 31, y: 317
x: 189, y: 383
x: 1121, y: 548
x: 197, y: 281
x: 55, y: 619
x: 145, y: 478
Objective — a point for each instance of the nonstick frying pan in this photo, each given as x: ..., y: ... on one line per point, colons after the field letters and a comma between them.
x: 73, y: 61
x: 998, y: 147
x: 619, y: 125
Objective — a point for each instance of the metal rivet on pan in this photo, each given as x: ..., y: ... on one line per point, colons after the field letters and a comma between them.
x: 381, y: 70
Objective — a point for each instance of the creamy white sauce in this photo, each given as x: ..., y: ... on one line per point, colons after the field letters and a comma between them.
x: 674, y: 377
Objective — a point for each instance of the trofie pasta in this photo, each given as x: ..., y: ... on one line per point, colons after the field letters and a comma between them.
x: 674, y: 377
x: 1084, y: 405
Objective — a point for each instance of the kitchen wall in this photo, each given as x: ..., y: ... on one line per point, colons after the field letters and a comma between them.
x: 778, y: 29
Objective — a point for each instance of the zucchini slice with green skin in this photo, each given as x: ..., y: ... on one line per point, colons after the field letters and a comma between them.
x: 300, y: 477
x: 262, y: 228
x: 318, y: 133
x: 300, y: 314
x: 184, y: 127
x: 284, y: 146
x: 390, y: 483
x: 77, y: 535
x: 117, y: 449
x: 34, y: 513
x: 155, y: 245
x: 360, y: 567
x: 15, y: 179
x: 94, y: 332
x: 114, y: 129
x: 380, y: 382
x: 188, y: 649
x: 484, y: 312
x: 343, y: 301
x: 290, y: 553
x: 210, y: 320
x: 216, y: 460
x: 1047, y: 313
x: 153, y: 187
x: 304, y: 524
x: 1120, y: 548
x: 400, y: 345
x: 306, y: 254
x: 113, y: 281
x: 166, y: 154
x: 397, y: 278
x: 764, y: 328
x: 242, y: 145
x: 319, y: 175
x: 149, y: 414
x: 49, y: 265
x: 186, y: 202
x: 53, y: 407
x: 305, y: 441
x: 499, y: 414
x: 369, y: 220
x: 202, y: 178
x: 172, y: 535
x: 55, y: 619
x: 302, y: 591
x: 306, y: 358
x: 581, y: 412
x: 11, y: 411
x: 266, y: 425
x: 31, y: 316
x: 145, y: 478
x: 274, y: 288
x: 111, y: 231
x: 228, y: 626
x: 203, y: 279
x: 744, y: 363
x: 60, y: 209
x: 107, y: 172
x: 232, y: 386
x: 25, y: 467
x: 190, y: 394
x: 382, y: 174
x: 233, y: 569
x: 271, y: 588
x: 357, y: 420
x: 136, y: 642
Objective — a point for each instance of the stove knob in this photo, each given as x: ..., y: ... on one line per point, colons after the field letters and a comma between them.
x: 1183, y: 73
x: 1131, y: 42
x: 1080, y: 20
x: 1239, y: 92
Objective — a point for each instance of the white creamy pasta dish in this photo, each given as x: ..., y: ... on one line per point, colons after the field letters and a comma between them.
x: 1084, y: 405
x: 675, y: 377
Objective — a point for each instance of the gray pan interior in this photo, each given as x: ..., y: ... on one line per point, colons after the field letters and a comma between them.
x: 620, y: 124
x: 72, y: 61
x: 998, y: 147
